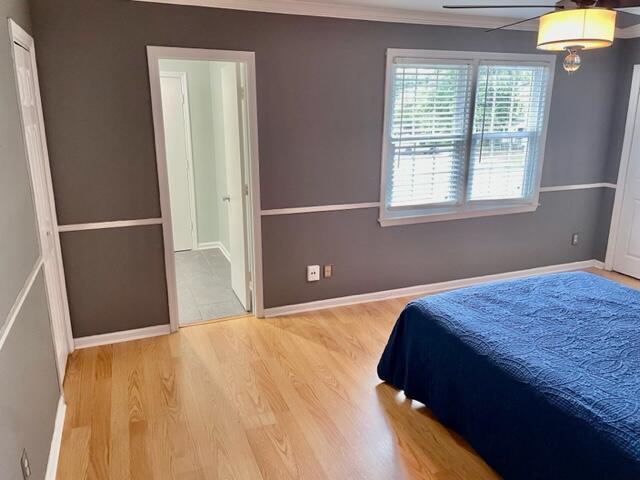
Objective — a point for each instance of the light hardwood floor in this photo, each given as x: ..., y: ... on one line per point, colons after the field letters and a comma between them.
x: 290, y: 397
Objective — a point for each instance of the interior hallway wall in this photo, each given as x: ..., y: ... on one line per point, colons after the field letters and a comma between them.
x: 29, y: 390
x: 320, y: 92
x: 219, y: 150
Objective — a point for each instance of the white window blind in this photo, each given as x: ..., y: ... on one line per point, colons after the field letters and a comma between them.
x: 428, y: 133
x: 464, y: 133
x: 508, y: 121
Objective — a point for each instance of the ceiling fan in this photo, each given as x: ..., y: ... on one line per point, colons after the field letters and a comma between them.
x: 572, y: 26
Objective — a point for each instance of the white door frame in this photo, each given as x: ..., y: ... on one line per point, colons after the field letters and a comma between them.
x: 625, y: 160
x: 19, y: 36
x: 154, y: 54
x: 187, y: 133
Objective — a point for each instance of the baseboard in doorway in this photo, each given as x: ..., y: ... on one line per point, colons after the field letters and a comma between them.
x: 124, y: 336
x: 56, y: 441
x: 219, y: 245
x: 426, y: 289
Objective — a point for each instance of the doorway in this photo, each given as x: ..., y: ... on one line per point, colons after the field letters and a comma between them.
x: 39, y: 171
x: 206, y: 142
x: 623, y: 251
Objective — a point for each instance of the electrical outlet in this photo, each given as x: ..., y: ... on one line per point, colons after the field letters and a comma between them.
x: 574, y: 239
x: 24, y: 465
x: 313, y: 273
x: 328, y: 271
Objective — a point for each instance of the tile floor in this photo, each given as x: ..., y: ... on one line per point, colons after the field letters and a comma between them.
x: 204, y: 286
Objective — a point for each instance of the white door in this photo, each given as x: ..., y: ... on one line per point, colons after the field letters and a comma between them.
x: 627, y: 250
x: 232, y: 103
x: 34, y: 137
x: 179, y: 162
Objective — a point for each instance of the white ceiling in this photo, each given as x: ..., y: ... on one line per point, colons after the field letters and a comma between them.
x: 425, y: 12
x: 436, y: 6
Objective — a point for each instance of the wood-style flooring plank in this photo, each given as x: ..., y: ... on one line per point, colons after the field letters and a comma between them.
x: 294, y: 397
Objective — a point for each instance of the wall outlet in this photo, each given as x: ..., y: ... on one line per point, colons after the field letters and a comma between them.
x: 24, y: 465
x: 574, y: 239
x: 328, y: 271
x: 313, y: 273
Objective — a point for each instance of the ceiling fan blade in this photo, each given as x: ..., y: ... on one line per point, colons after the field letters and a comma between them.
x: 513, y: 24
x: 617, y: 4
x: 499, y: 6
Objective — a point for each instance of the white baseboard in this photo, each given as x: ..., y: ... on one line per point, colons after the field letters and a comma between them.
x: 56, y: 440
x: 425, y: 289
x: 207, y: 245
x: 218, y: 245
x: 124, y: 336
x: 224, y: 251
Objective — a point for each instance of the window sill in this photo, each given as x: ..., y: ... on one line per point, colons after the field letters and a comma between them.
x: 442, y: 217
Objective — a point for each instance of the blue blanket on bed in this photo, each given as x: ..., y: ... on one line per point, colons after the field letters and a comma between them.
x: 540, y: 375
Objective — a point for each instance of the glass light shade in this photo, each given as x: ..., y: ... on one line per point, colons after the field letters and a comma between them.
x: 581, y: 28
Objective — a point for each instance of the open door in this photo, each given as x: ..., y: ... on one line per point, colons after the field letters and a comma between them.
x: 39, y: 170
x: 232, y: 108
x: 179, y: 159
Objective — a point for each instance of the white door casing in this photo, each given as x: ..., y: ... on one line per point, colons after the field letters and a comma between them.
x: 177, y: 130
x: 247, y: 59
x: 622, y: 246
x: 39, y: 170
x: 627, y: 249
x: 232, y: 104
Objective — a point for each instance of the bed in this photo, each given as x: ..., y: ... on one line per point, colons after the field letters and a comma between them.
x: 540, y: 375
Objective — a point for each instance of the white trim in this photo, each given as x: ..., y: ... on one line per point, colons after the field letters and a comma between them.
x: 463, y: 209
x: 425, y: 289
x: 487, y: 212
x: 154, y: 54
x: 63, y: 339
x: 186, y: 114
x: 6, y: 326
x: 584, y: 186
x: 625, y: 160
x: 355, y: 206
x: 632, y: 31
x: 123, y: 336
x: 319, y: 208
x: 56, y: 441
x: 78, y: 227
x: 353, y: 12
x: 224, y: 251
x: 219, y: 245
x: 208, y: 245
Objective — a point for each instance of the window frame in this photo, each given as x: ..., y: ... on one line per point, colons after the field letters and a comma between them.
x: 401, y: 215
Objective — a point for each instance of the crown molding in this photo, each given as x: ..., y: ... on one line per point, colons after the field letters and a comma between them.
x: 630, y: 32
x: 352, y: 12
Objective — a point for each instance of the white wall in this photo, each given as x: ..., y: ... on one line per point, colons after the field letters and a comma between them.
x: 219, y: 148
x: 207, y: 132
x: 204, y: 173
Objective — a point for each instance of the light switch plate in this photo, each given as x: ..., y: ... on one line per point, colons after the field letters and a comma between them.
x: 313, y: 273
x: 328, y: 271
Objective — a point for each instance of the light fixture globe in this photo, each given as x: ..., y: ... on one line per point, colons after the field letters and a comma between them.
x: 580, y: 29
x: 571, y: 62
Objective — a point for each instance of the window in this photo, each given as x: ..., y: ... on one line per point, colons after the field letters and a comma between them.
x: 464, y: 134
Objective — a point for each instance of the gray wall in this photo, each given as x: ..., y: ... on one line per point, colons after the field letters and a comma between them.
x: 320, y: 106
x: 28, y: 383
x: 29, y: 390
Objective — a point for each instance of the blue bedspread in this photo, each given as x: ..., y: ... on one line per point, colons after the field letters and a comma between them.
x: 540, y: 375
